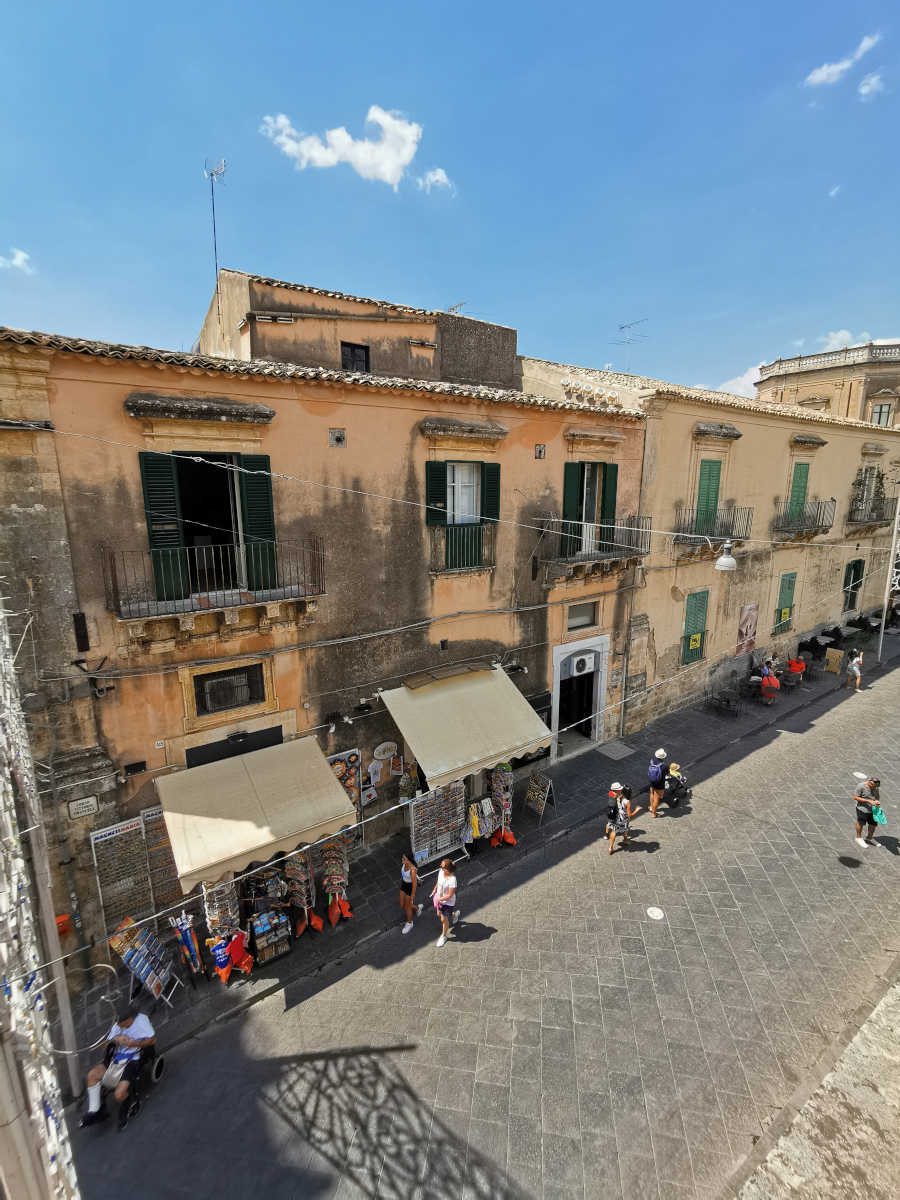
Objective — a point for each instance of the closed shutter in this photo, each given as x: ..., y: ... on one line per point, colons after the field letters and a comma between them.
x: 573, y: 488
x: 436, y: 493
x: 708, y: 495
x: 490, y: 491
x: 785, y: 601
x: 258, y: 521
x: 799, y: 483
x: 693, y: 644
x: 162, y: 511
x: 608, y: 493
x: 853, y: 577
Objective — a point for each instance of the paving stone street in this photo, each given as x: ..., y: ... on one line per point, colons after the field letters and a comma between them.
x: 564, y: 1044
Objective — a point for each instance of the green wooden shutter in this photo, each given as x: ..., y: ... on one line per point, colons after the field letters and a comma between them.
x: 708, y: 495
x: 573, y: 490
x: 853, y: 577
x: 609, y: 488
x: 799, y: 484
x: 693, y: 643
x: 436, y: 493
x: 785, y: 601
x: 490, y: 491
x: 164, y: 528
x: 258, y: 521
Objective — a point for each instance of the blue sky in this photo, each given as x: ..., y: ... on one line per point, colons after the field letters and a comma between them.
x: 728, y: 173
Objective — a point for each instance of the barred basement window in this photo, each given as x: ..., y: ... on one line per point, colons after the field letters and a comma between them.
x: 220, y: 690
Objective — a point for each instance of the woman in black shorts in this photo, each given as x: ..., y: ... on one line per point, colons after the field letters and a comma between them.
x: 409, y: 879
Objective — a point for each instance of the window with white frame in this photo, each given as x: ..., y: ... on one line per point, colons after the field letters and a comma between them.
x: 881, y: 414
x: 581, y: 616
x: 463, y: 493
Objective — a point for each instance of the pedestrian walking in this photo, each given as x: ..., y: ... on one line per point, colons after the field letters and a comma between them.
x: 656, y: 773
x: 409, y: 881
x: 620, y: 813
x: 444, y: 897
x: 854, y: 669
x: 867, y: 799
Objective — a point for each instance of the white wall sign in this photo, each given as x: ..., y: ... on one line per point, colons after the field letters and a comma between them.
x: 85, y: 807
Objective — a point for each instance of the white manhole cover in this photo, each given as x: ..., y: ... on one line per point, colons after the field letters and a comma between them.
x: 615, y: 750
x: 655, y: 914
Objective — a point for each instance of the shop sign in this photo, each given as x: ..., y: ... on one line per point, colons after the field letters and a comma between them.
x: 135, y: 825
x: 87, y: 806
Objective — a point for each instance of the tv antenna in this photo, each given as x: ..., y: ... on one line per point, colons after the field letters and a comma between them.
x: 214, y: 174
x: 629, y: 334
x: 457, y: 308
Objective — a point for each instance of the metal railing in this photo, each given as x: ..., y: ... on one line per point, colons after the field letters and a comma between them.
x: 693, y: 647
x: 814, y: 516
x: 182, y: 579
x: 577, y: 541
x: 724, y: 523
x: 463, y: 547
x: 878, y: 511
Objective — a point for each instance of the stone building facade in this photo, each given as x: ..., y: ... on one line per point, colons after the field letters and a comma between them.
x: 860, y: 383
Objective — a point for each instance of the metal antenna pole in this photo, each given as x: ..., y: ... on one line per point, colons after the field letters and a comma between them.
x: 23, y: 984
x: 892, y: 583
x: 212, y: 175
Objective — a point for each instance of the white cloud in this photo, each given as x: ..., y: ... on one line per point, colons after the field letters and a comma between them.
x: 870, y: 86
x: 742, y: 385
x: 18, y: 260
x: 832, y: 192
x: 798, y: 342
x: 435, y: 178
x: 832, y: 72
x: 385, y: 158
x: 837, y: 339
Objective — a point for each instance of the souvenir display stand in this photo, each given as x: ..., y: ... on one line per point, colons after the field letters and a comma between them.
x: 437, y: 822
x: 221, y: 908
x: 149, y: 962
x: 501, y: 795
x: 330, y: 862
x: 270, y: 934
x: 301, y: 889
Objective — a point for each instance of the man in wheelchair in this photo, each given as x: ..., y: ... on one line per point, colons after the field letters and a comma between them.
x: 130, y: 1041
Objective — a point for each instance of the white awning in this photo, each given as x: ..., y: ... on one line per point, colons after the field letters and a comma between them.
x: 224, y: 815
x: 466, y: 723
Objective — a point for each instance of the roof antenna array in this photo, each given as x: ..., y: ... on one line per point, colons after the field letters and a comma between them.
x: 457, y: 308
x: 630, y: 335
x: 213, y: 174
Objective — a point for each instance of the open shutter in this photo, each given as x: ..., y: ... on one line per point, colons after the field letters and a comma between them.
x: 608, y: 493
x: 708, y: 495
x: 436, y: 493
x: 573, y: 488
x: 799, y: 483
x: 490, y: 491
x: 164, y: 529
x: 258, y: 522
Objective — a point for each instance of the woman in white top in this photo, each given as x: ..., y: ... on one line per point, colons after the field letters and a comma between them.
x: 444, y: 895
x: 409, y: 879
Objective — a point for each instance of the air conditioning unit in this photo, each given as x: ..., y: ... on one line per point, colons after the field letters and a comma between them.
x: 578, y: 664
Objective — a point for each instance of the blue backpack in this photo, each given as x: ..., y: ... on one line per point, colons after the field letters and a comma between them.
x: 655, y: 772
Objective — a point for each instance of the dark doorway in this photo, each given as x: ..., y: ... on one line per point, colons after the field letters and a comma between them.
x: 576, y: 703
x: 230, y: 747
x: 210, y: 522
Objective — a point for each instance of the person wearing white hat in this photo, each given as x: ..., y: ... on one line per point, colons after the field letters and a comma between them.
x: 656, y: 773
x: 620, y: 813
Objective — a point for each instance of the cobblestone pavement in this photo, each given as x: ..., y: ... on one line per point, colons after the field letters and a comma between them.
x: 565, y: 1044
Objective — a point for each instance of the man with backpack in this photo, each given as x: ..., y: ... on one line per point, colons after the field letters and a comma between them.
x: 656, y: 773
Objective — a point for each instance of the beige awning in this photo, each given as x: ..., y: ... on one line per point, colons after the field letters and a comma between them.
x: 226, y: 814
x: 460, y: 725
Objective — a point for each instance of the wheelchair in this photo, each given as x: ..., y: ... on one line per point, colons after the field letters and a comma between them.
x: 151, y: 1068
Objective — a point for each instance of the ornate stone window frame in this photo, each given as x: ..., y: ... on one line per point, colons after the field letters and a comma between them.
x: 711, y: 439
x: 468, y: 438
x: 193, y: 721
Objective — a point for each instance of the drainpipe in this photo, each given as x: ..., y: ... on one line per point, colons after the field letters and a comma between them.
x: 66, y: 859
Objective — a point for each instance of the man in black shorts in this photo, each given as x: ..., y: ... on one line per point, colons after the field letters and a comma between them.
x: 866, y: 795
x: 130, y: 1034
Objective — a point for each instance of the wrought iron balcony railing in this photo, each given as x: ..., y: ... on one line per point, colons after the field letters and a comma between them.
x: 577, y: 541
x: 726, y: 523
x: 182, y: 579
x: 463, y: 547
x: 877, y: 511
x: 814, y: 516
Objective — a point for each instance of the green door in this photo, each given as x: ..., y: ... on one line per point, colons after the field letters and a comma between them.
x: 162, y: 511
x: 258, y: 522
x: 785, y: 609
x: 799, y: 483
x: 695, y: 609
x: 708, y: 495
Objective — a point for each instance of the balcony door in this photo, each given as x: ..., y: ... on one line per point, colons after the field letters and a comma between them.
x: 708, y: 496
x: 589, y: 508
x: 211, y: 530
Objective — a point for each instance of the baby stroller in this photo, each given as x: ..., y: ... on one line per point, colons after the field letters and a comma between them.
x: 676, y: 786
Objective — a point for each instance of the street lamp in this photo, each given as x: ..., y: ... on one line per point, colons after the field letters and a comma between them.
x: 726, y: 560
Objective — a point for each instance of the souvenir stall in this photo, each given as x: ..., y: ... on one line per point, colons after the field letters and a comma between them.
x: 463, y: 726
x: 254, y: 811
x: 147, y: 959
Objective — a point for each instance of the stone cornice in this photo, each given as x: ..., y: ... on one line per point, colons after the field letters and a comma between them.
x: 717, y: 431
x: 197, y: 408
